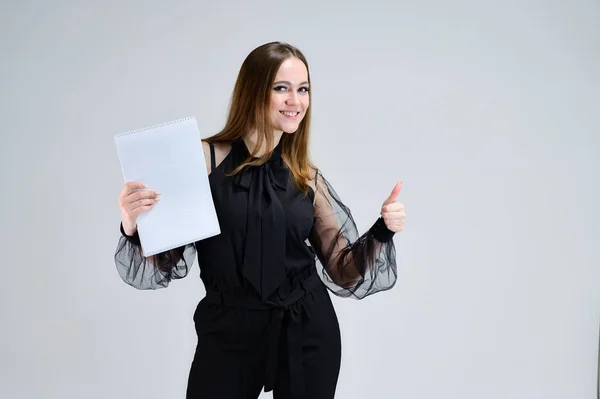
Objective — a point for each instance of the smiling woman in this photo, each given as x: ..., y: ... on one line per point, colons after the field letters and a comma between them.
x: 267, y: 319
x: 290, y: 98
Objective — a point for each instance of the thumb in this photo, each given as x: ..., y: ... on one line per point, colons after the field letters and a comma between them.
x: 395, y: 193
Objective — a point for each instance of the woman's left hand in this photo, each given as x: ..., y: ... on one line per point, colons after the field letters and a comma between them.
x: 392, y: 212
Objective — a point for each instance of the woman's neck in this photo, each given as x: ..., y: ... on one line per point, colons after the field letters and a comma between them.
x: 251, y: 142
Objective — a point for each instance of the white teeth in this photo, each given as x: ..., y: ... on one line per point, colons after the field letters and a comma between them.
x: 289, y: 113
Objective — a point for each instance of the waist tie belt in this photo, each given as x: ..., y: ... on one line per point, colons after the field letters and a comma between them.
x: 294, y: 332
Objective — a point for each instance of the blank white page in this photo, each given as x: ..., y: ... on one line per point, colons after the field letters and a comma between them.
x: 168, y: 158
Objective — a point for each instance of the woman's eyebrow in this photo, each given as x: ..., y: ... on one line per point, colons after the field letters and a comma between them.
x: 288, y: 83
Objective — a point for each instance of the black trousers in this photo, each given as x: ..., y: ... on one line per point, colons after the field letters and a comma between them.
x: 293, y: 349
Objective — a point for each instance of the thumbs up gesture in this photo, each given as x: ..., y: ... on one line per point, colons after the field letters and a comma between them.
x: 392, y: 212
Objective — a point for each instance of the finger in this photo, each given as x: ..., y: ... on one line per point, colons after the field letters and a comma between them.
x: 129, y: 209
x: 134, y: 209
x: 395, y: 193
x: 139, y: 195
x: 143, y: 203
x: 132, y: 186
x: 393, y: 214
x: 394, y: 207
x: 387, y: 216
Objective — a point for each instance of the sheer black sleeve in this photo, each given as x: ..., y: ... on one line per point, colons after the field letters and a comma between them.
x: 349, y: 264
x: 153, y: 272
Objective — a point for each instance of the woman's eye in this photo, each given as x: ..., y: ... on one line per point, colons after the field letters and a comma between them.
x: 284, y: 88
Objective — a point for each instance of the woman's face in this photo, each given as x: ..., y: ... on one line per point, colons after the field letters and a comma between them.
x: 289, y: 98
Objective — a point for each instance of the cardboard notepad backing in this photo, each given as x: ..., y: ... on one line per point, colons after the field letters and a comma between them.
x: 168, y: 158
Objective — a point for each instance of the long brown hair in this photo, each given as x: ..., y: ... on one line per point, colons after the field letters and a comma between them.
x: 249, y: 110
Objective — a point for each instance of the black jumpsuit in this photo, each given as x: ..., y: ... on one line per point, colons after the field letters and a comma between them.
x: 267, y: 319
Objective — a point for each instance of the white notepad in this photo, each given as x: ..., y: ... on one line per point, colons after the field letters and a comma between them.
x: 168, y: 158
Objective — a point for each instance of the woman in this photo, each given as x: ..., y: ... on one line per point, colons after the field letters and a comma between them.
x: 267, y: 319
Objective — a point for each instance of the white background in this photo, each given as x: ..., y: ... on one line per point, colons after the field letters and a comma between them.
x: 488, y: 111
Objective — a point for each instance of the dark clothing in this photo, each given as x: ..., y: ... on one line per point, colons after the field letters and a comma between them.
x: 267, y: 319
x: 294, y: 350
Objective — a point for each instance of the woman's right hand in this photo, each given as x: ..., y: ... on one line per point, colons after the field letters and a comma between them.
x: 134, y: 199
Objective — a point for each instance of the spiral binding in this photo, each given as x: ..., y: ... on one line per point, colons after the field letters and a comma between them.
x: 155, y: 126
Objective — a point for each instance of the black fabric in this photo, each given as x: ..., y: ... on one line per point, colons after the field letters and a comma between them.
x: 237, y: 355
x: 380, y: 231
x: 267, y: 277
x: 280, y: 309
x: 213, y: 164
x: 351, y: 265
x: 265, y: 226
x: 134, y: 239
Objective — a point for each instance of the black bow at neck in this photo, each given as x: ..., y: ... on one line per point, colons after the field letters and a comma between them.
x: 264, y: 255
